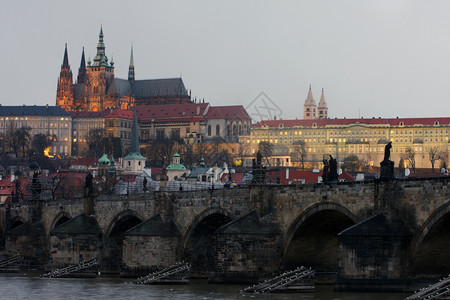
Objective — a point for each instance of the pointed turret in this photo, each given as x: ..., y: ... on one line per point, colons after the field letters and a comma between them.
x: 309, y: 108
x: 65, y: 59
x: 322, y: 107
x: 131, y: 67
x: 82, y: 69
x: 310, y: 98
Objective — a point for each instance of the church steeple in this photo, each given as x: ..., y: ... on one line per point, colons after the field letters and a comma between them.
x: 131, y: 67
x: 65, y: 59
x: 134, y: 147
x: 100, y: 59
x: 133, y: 163
x: 64, y: 92
x: 82, y: 70
x: 309, y: 108
x: 322, y: 107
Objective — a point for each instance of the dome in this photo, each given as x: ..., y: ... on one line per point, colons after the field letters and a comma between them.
x: 103, y: 161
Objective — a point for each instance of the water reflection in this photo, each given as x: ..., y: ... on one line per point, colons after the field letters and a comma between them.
x: 29, y: 287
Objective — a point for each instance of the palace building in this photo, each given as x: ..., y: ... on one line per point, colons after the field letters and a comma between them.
x: 362, y: 137
x: 97, y: 88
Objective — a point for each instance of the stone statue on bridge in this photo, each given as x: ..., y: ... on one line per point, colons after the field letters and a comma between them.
x: 387, y: 151
x: 387, y: 166
x: 325, y: 170
x: 88, y: 186
x: 332, y: 175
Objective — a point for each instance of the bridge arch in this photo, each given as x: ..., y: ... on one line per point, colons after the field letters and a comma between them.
x: 60, y: 218
x: 15, y: 222
x: 314, y: 234
x: 430, y: 246
x: 114, y: 235
x: 197, y: 240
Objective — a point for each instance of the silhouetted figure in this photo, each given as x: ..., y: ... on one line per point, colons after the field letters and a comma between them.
x: 332, y: 175
x: 325, y: 170
x: 387, y: 151
x: 387, y: 166
x: 145, y: 184
x: 258, y: 158
x: 88, y: 187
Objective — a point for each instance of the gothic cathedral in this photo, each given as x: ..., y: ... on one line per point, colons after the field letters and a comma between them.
x: 97, y: 89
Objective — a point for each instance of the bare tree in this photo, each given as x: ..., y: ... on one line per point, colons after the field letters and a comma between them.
x: 24, y: 138
x: 39, y: 143
x: 443, y: 157
x: 266, y: 150
x: 298, y: 153
x: 433, y: 155
x: 11, y: 138
x: 95, y: 140
x: 410, y: 158
x: 351, y: 163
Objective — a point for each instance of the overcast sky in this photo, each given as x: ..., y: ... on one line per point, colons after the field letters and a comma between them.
x: 373, y: 58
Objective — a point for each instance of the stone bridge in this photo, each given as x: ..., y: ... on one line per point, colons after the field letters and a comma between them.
x: 250, y: 231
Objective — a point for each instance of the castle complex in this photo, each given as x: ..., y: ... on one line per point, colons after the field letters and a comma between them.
x: 97, y: 88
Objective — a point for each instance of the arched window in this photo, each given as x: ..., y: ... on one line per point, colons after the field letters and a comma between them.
x: 217, y: 129
x: 209, y: 130
x: 234, y: 130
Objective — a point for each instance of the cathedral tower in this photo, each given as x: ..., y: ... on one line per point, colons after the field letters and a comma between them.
x: 322, y: 108
x: 309, y: 108
x: 64, y: 92
x: 82, y: 70
x: 99, y: 77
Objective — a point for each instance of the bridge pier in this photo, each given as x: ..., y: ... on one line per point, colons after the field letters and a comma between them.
x: 246, y: 250
x: 374, y: 255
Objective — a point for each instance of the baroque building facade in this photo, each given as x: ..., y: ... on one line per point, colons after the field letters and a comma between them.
x: 362, y: 137
x: 51, y: 121
x: 97, y: 88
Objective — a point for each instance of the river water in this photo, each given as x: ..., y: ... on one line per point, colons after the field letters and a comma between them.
x: 13, y: 286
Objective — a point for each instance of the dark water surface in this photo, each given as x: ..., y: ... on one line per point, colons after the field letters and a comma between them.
x: 13, y: 286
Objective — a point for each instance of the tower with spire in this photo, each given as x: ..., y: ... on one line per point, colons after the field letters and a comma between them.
x: 131, y: 68
x: 64, y: 91
x: 309, y: 108
x: 134, y: 162
x: 82, y: 69
x: 322, y: 108
x: 99, y: 78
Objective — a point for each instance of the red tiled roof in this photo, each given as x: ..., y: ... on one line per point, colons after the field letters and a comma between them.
x: 84, y: 162
x: 236, y: 177
x: 227, y: 112
x: 171, y: 111
x: 340, y: 122
x: 120, y: 113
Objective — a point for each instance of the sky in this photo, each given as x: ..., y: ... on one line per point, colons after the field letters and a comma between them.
x: 373, y: 58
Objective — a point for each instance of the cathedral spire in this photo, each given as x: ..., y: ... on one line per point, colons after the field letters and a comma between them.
x: 100, y: 59
x: 131, y: 67
x: 322, y: 107
x: 310, y: 98
x: 309, y: 108
x: 66, y: 59
x: 82, y: 70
